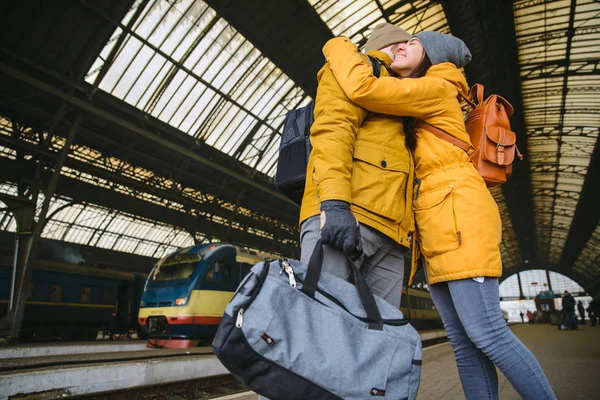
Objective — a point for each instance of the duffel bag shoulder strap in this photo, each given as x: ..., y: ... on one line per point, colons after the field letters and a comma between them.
x: 313, y: 273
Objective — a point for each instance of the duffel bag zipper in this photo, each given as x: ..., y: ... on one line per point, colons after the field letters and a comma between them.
x: 285, y: 266
x: 261, y: 280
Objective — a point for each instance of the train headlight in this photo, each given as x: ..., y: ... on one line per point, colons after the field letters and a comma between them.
x: 142, y: 304
x: 181, y: 301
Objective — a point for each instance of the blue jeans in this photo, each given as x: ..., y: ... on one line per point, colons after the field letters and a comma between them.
x: 480, y: 338
x: 570, y: 319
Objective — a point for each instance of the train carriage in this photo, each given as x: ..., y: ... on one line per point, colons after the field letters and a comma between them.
x: 74, y: 302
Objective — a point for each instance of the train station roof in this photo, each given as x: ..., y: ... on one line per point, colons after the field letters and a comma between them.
x: 178, y: 107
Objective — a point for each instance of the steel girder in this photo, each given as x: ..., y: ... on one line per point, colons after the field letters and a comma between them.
x: 197, y: 210
x: 560, y: 68
x: 587, y: 213
x: 93, y: 194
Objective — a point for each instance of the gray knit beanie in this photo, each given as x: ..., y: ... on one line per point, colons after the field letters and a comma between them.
x: 444, y: 48
x: 385, y: 34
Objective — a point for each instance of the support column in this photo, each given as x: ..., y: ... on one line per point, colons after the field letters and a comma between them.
x: 29, y: 232
x: 548, y: 277
x: 520, y: 287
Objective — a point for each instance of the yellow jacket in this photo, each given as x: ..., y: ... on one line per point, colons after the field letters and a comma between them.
x: 359, y: 158
x: 458, y: 222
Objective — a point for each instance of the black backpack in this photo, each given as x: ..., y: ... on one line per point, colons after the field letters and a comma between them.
x: 295, y: 147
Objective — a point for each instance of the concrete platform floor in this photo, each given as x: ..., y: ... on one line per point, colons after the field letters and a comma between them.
x: 570, y: 359
x: 64, y: 348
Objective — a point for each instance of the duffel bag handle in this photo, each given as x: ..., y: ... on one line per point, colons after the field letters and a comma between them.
x: 313, y: 273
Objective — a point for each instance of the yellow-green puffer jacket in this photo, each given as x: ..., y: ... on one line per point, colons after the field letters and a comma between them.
x: 458, y: 222
x: 359, y: 158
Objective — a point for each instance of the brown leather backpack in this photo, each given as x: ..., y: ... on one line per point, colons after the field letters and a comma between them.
x: 493, y: 143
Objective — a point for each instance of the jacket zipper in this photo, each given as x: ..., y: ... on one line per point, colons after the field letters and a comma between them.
x: 458, y: 234
x: 417, y: 182
x: 405, y: 199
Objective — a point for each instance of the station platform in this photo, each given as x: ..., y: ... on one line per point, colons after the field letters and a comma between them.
x: 59, y: 349
x: 569, y: 359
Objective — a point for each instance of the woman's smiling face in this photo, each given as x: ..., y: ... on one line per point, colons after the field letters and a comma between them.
x: 408, y: 57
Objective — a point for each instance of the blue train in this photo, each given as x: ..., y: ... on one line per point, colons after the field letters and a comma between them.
x: 72, y: 302
x: 186, y: 292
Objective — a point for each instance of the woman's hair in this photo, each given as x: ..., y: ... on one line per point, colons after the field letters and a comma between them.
x: 410, y: 124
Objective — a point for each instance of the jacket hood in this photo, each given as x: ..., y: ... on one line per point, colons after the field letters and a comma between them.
x: 450, y: 73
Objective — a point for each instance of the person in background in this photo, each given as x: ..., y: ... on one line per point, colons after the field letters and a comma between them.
x: 593, y: 310
x: 522, y: 315
x: 458, y: 226
x: 530, y: 317
x: 581, y: 311
x: 568, y: 307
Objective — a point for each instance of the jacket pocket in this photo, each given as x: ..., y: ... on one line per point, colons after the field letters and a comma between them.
x: 437, y: 222
x: 379, y: 182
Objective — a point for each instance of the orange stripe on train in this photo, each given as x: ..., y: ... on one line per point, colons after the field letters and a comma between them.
x: 188, y: 320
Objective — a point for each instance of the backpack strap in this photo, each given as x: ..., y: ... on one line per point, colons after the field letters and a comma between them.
x: 376, y: 63
x: 476, y: 93
x: 445, y: 136
x: 462, y: 97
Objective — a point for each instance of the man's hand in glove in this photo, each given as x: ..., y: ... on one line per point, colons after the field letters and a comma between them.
x: 339, y: 227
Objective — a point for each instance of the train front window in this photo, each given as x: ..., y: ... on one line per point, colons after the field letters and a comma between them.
x: 219, y: 272
x: 171, y: 272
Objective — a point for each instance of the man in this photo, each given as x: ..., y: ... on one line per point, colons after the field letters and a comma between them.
x: 568, y: 306
x: 593, y: 311
x: 359, y: 181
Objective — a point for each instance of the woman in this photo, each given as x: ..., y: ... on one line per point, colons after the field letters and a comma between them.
x: 458, y: 223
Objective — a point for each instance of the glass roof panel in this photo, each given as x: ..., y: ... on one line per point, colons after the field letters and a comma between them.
x: 357, y: 18
x: 559, y: 51
x: 188, y: 67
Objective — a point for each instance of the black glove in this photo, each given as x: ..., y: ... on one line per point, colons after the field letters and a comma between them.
x: 339, y: 227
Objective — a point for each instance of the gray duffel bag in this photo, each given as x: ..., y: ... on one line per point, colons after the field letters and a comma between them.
x: 291, y: 332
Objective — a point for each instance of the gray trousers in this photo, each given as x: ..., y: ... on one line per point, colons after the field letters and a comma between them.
x: 383, y: 265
